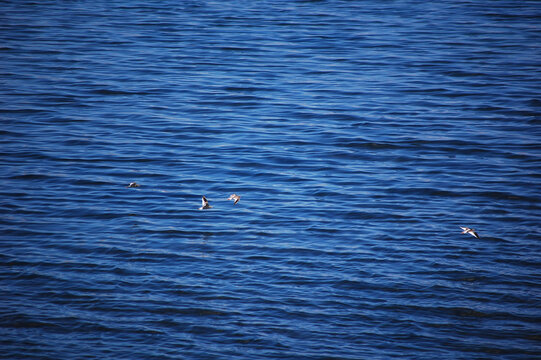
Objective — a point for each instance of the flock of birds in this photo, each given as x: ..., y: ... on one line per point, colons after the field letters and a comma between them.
x: 204, y: 202
x: 205, y: 205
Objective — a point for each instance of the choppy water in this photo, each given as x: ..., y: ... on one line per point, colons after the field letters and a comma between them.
x: 360, y: 135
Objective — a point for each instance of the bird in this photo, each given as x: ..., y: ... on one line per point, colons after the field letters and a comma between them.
x: 133, y: 184
x: 204, y: 203
x: 234, y: 197
x: 471, y: 231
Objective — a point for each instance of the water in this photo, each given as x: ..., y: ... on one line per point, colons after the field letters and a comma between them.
x: 360, y: 135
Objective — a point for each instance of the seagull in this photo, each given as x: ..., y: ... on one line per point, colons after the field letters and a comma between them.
x: 204, y: 203
x: 234, y: 197
x: 133, y: 184
x: 471, y: 231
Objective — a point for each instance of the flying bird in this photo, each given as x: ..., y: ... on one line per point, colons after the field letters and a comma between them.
x: 234, y: 197
x: 204, y: 203
x: 471, y: 231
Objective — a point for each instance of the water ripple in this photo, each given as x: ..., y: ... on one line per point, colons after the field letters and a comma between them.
x: 360, y: 136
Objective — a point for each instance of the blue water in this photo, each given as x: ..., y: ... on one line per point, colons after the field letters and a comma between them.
x: 359, y: 134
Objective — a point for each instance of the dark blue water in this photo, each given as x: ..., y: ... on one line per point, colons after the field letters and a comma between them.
x: 359, y: 134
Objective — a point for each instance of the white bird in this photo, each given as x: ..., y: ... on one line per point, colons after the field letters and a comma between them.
x: 133, y: 184
x: 471, y: 231
x: 204, y: 203
x: 234, y: 197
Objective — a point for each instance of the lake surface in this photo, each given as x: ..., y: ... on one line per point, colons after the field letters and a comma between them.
x: 359, y: 134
